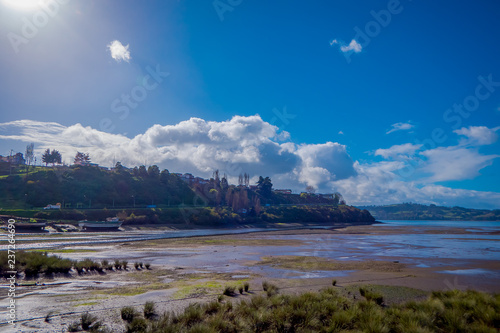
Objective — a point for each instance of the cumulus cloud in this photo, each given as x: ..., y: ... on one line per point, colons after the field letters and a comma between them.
x: 398, y: 151
x: 400, y: 127
x: 323, y: 163
x: 118, y: 51
x: 241, y: 144
x: 478, y: 135
x: 353, y: 46
x: 379, y: 184
x: 249, y: 144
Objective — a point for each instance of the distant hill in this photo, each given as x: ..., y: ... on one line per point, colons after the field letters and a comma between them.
x: 411, y: 211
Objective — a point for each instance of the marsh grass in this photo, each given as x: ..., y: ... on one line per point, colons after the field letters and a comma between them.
x: 149, y: 310
x: 371, y: 295
x: 86, y: 320
x: 35, y: 263
x: 269, y: 288
x: 128, y: 313
x: 229, y: 291
x: 329, y: 311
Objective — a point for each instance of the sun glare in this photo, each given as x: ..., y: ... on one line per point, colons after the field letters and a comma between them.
x: 24, y: 4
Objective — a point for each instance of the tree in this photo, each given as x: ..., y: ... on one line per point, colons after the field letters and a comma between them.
x: 119, y: 167
x: 265, y: 187
x: 246, y: 177
x: 47, y: 157
x: 143, y: 172
x: 216, y: 179
x: 310, y: 189
x: 55, y: 157
x: 82, y: 158
x: 30, y: 154
x: 153, y: 171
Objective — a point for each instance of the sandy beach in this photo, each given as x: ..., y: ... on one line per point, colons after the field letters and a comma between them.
x: 406, y: 262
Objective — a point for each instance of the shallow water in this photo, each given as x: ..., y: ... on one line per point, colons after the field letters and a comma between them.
x: 424, y: 244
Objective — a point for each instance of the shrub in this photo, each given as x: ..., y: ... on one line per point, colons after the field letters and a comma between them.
x: 228, y: 291
x: 147, y: 265
x: 334, y: 283
x: 269, y: 288
x: 136, y: 265
x: 87, y: 320
x: 74, y: 327
x: 247, y: 286
x: 107, y: 265
x: 124, y: 264
x: 118, y: 264
x: 149, y: 310
x: 138, y: 325
x: 128, y: 313
x: 240, y: 289
x: 371, y: 296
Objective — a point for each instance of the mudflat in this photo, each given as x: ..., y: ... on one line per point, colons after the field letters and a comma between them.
x: 402, y: 262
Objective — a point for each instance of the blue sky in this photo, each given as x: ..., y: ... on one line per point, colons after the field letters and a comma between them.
x: 349, y: 96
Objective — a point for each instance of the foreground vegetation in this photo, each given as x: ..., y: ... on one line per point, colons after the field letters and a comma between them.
x: 327, y: 311
x: 409, y: 211
x: 33, y: 264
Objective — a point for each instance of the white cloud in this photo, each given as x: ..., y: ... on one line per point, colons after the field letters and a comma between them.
x: 398, y: 151
x: 353, y: 46
x: 322, y: 163
x: 341, y: 133
x: 118, y: 51
x: 454, y: 163
x: 400, y: 127
x: 478, y: 135
x: 378, y: 184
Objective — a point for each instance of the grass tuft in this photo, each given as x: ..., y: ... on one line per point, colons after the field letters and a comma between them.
x: 149, y: 310
x: 128, y: 313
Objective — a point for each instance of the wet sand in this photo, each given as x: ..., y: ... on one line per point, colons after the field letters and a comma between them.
x: 197, y: 269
